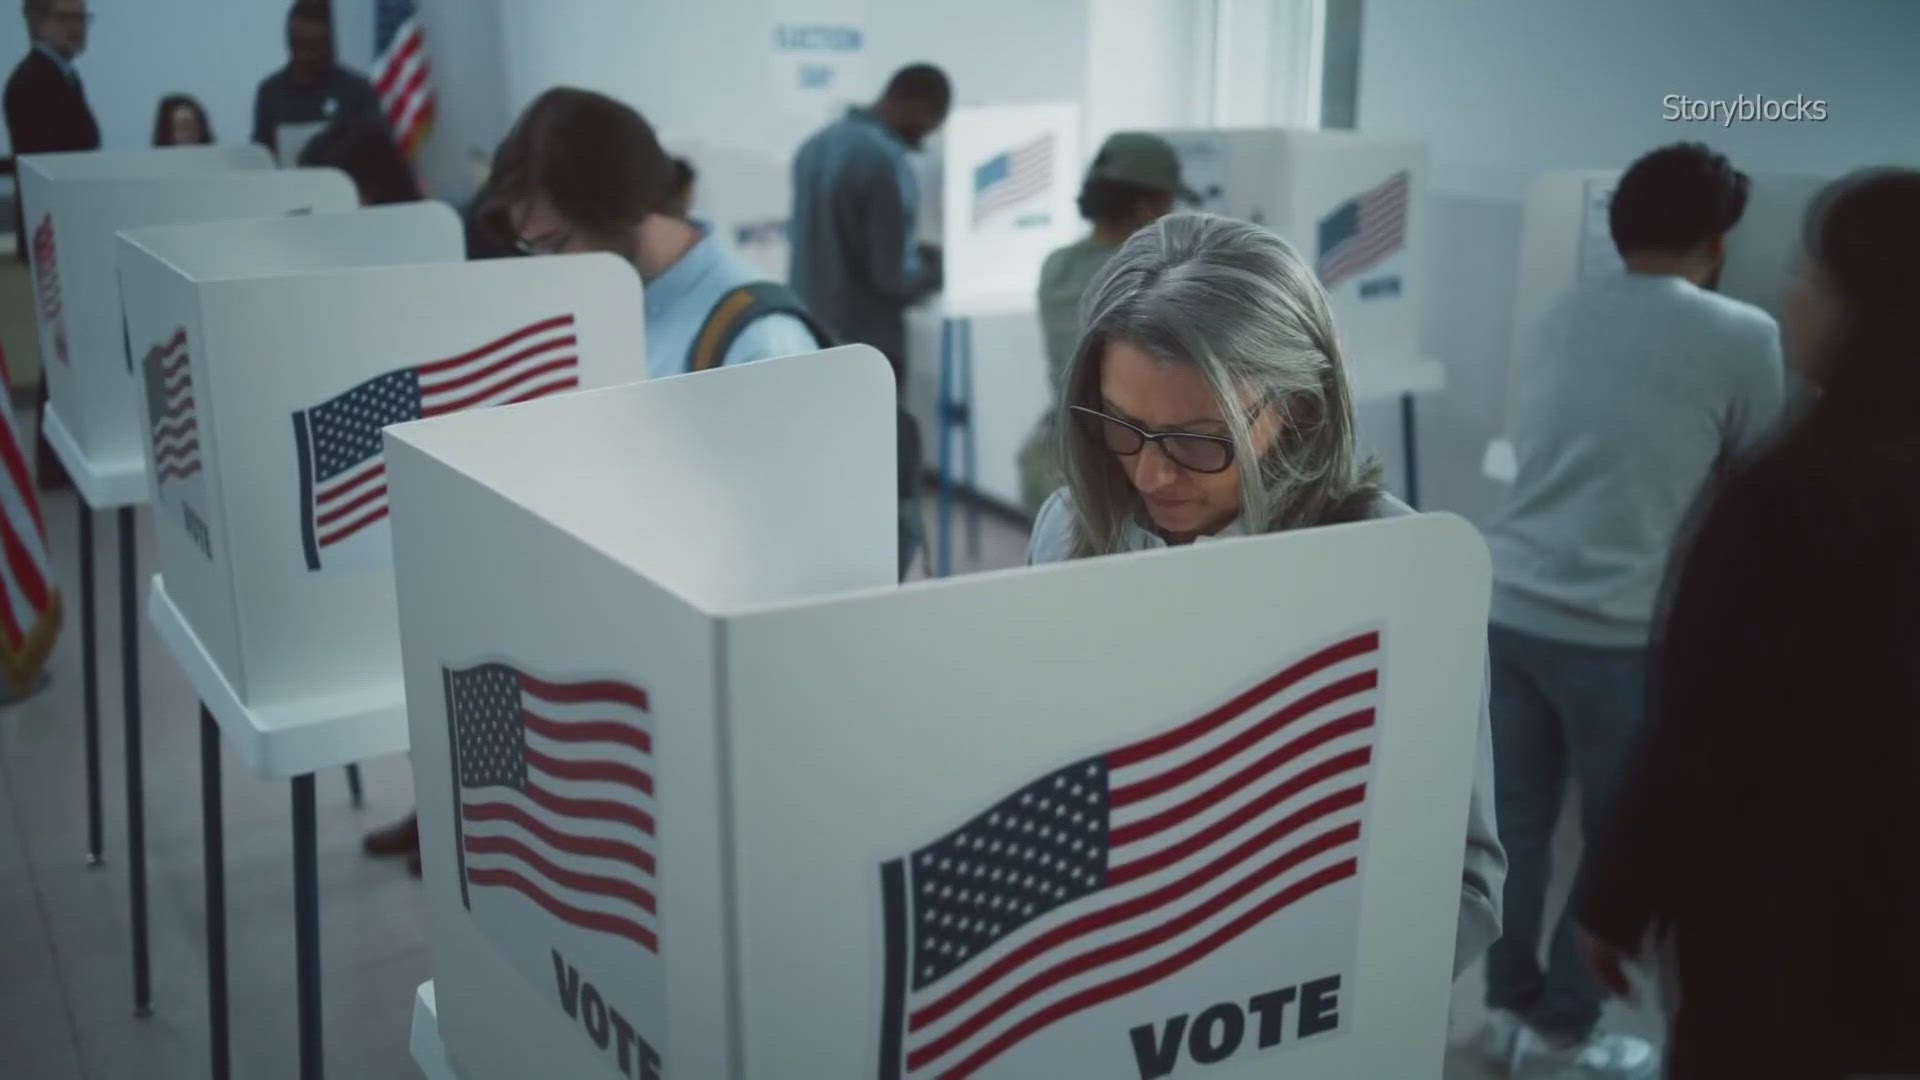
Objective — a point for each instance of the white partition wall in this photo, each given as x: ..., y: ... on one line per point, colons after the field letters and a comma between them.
x: 264, y: 392
x: 74, y: 207
x: 702, y: 794
x: 746, y: 195
x: 1353, y: 207
x: 1011, y: 176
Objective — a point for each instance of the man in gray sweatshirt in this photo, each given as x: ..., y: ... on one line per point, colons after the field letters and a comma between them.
x: 1640, y: 386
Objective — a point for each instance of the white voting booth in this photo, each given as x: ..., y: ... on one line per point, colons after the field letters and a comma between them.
x: 1353, y: 206
x: 1009, y: 176
x: 703, y: 794
x: 1566, y: 239
x: 75, y: 203
x: 270, y: 355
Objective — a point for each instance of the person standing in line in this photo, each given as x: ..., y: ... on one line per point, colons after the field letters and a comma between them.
x: 1133, y: 182
x: 1763, y: 855
x: 313, y: 88
x: 855, y: 259
x: 1642, y: 386
x: 47, y: 113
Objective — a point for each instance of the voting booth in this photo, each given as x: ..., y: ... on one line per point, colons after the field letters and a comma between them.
x: 1011, y: 175
x: 75, y: 203
x: 746, y: 197
x: 1353, y: 206
x: 270, y: 354
x: 1566, y: 238
x: 702, y: 793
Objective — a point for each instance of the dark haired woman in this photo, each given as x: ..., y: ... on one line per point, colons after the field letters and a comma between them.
x: 1132, y: 183
x: 1768, y: 838
x: 365, y: 151
x: 181, y: 121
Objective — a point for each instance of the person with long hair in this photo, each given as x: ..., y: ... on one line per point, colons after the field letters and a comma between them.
x: 1763, y: 856
x: 366, y: 152
x: 181, y: 121
x: 1208, y: 398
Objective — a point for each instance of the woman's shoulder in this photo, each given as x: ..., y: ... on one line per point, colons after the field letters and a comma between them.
x: 1052, y: 536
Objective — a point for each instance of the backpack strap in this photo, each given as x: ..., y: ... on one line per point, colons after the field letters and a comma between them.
x: 741, y: 308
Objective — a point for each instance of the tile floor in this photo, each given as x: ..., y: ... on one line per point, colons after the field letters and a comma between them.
x: 65, y: 977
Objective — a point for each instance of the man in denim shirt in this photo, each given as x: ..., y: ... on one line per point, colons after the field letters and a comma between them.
x: 855, y: 208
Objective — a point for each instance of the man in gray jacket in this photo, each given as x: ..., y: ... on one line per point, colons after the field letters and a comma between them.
x: 855, y: 259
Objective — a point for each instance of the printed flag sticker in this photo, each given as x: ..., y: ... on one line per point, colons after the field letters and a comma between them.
x: 173, y: 424
x: 1013, y: 179
x: 343, y: 471
x: 1363, y: 231
x: 1189, y: 897
x: 46, y: 273
x: 556, y: 844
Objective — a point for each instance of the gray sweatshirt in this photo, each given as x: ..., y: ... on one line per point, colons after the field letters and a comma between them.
x: 1639, y: 387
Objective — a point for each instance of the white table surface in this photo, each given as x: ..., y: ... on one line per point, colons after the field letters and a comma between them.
x: 428, y: 1051
x: 105, y: 485
x: 1500, y: 462
x: 290, y: 739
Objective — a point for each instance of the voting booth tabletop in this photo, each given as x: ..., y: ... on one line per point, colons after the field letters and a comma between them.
x: 703, y: 793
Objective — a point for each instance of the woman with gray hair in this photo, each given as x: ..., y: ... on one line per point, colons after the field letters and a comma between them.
x: 1207, y: 399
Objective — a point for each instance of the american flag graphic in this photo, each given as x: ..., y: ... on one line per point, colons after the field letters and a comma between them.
x: 29, y: 604
x: 1363, y: 230
x: 1011, y: 178
x: 400, y: 71
x: 343, y: 473
x: 554, y: 796
x: 170, y: 411
x: 46, y: 274
x: 1115, y: 874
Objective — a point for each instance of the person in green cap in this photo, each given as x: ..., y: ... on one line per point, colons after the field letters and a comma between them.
x: 1133, y: 182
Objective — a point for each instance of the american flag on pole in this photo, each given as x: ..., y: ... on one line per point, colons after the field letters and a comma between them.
x: 1363, y: 231
x: 172, y: 422
x: 400, y: 71
x: 1097, y: 888
x: 554, y: 798
x: 30, y: 606
x: 343, y: 472
x: 1010, y: 178
x: 46, y: 275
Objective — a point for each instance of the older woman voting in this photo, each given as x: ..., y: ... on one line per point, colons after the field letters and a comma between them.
x: 1207, y: 399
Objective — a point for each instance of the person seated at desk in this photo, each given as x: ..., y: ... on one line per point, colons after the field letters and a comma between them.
x: 1207, y: 398
x: 181, y: 121
x: 1133, y: 182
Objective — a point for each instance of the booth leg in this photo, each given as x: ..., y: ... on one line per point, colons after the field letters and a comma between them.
x: 136, y: 787
x: 966, y: 435
x: 355, y: 790
x: 90, y: 678
x: 943, y: 558
x: 306, y: 923
x: 1409, y: 450
x: 211, y: 813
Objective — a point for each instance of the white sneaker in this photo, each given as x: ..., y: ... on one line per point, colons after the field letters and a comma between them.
x: 1598, y: 1057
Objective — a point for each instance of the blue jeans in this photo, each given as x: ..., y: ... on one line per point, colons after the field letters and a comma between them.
x: 1558, y: 710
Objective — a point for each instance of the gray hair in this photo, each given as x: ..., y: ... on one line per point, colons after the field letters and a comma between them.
x: 1237, y: 302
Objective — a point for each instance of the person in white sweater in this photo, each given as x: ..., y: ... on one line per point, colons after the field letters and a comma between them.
x: 1640, y: 385
x: 1207, y: 398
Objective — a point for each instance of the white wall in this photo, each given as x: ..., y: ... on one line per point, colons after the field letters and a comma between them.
x: 1505, y: 89
x: 141, y: 50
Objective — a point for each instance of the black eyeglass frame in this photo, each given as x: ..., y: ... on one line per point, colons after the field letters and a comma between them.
x: 1164, y: 438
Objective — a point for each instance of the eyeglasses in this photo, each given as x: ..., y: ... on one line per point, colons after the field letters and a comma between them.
x: 1200, y: 453
x: 551, y: 243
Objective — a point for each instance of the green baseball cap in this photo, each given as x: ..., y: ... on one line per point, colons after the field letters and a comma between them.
x: 1135, y: 157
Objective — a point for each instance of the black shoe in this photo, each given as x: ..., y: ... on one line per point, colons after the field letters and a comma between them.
x: 400, y: 838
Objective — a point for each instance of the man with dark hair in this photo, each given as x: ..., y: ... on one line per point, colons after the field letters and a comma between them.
x: 1133, y: 182
x: 47, y: 113
x: 855, y: 259
x: 313, y: 88
x: 1643, y: 384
